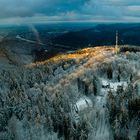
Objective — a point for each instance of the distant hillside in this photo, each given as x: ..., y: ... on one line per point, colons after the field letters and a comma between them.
x: 102, y: 35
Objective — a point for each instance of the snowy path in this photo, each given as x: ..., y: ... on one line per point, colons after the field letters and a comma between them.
x: 102, y: 125
x: 102, y: 131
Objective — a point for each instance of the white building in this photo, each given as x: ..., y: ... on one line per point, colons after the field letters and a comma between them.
x: 82, y: 106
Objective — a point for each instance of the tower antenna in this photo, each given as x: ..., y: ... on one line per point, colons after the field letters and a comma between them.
x: 116, y: 46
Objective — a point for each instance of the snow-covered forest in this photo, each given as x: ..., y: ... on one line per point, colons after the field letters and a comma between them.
x: 92, y: 94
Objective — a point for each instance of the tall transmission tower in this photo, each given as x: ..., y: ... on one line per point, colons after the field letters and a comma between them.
x: 116, y: 46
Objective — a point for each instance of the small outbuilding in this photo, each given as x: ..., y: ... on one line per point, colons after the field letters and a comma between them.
x: 81, y: 107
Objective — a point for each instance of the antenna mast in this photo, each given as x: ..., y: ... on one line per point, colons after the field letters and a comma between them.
x: 116, y: 47
x: 116, y: 39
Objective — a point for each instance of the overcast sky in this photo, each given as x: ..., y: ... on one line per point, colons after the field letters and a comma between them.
x: 16, y: 11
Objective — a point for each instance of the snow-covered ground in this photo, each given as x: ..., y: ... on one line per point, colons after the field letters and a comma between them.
x: 102, y: 125
x: 113, y: 85
x: 54, y: 96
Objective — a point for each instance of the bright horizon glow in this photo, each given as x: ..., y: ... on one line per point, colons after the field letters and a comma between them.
x: 19, y: 21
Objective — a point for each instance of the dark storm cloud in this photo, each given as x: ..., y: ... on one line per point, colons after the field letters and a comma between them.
x: 9, y: 8
x: 61, y: 10
x: 112, y: 8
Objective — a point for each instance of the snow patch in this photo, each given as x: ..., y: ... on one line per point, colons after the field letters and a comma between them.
x: 113, y: 85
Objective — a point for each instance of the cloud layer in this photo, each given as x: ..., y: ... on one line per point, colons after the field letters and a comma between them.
x: 69, y: 10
